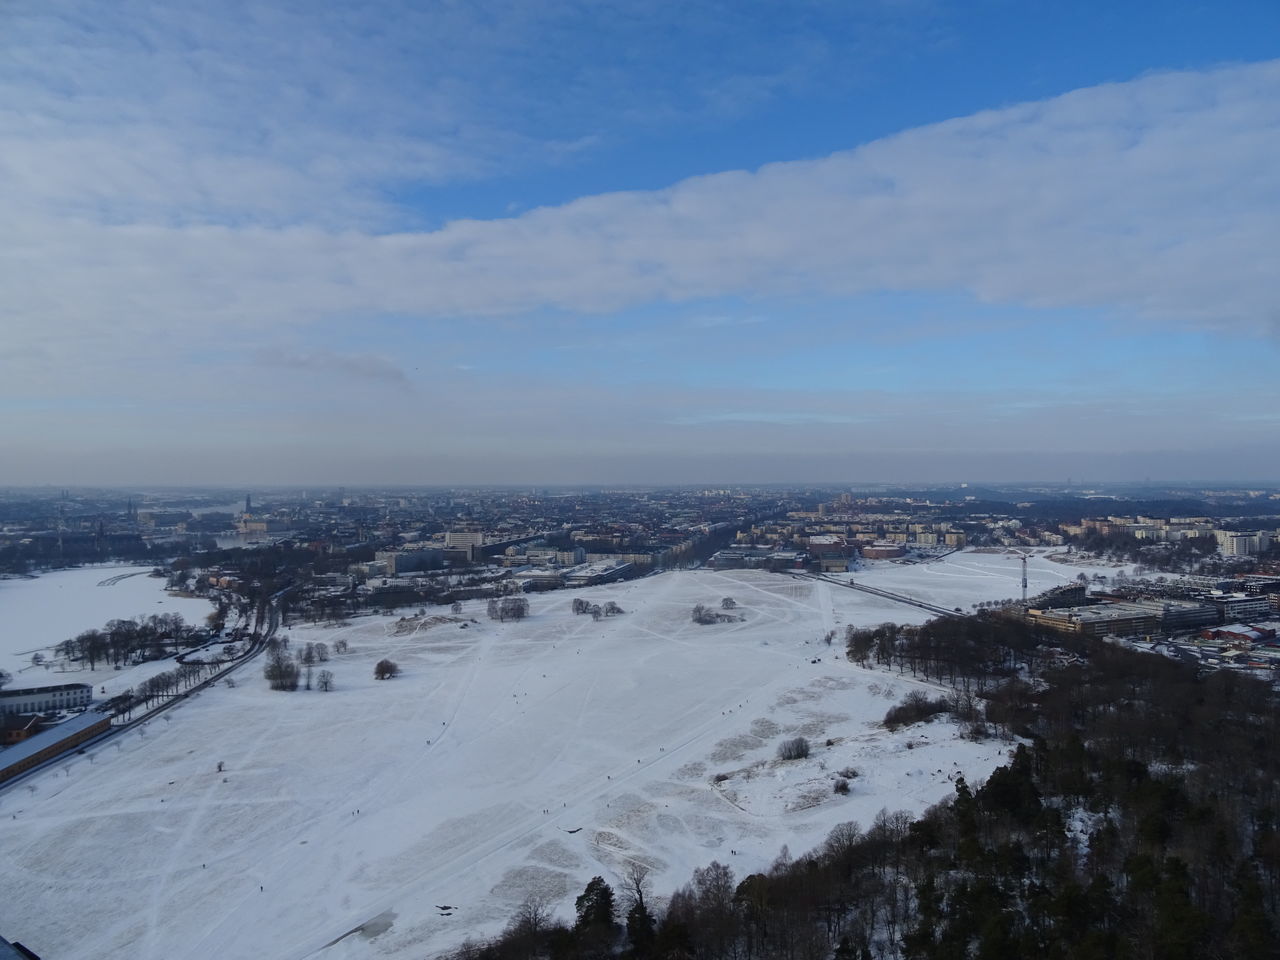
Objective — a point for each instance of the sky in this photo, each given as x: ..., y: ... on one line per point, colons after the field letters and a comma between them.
x: 608, y: 241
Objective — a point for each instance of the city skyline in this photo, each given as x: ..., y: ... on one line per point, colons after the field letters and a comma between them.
x: 647, y: 243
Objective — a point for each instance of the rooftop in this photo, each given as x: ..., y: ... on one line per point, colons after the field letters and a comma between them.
x: 46, y: 738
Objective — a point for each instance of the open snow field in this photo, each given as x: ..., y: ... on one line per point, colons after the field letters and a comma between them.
x: 37, y: 614
x: 507, y: 759
x: 960, y: 579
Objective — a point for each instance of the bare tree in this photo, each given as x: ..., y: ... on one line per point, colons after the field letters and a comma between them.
x: 281, y: 671
x: 611, y: 609
x: 728, y: 603
x: 796, y: 749
x: 532, y: 916
x: 513, y: 608
x: 5, y: 678
x: 385, y: 669
x: 325, y: 680
x: 635, y: 883
x: 456, y: 607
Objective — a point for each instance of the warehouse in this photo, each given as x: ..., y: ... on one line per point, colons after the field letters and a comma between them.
x: 50, y: 743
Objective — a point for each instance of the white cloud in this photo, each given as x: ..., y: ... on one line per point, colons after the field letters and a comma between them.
x: 1156, y: 198
x: 364, y: 366
x: 136, y: 263
x: 280, y: 112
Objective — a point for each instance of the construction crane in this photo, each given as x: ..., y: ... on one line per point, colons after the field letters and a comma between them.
x: 1024, y: 557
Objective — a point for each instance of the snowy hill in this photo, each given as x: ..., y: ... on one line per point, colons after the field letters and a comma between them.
x: 506, y: 759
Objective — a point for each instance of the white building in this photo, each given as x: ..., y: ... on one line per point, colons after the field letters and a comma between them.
x: 63, y: 696
x: 1232, y: 543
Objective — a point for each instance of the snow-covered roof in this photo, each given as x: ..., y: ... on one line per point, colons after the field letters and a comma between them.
x: 47, y: 738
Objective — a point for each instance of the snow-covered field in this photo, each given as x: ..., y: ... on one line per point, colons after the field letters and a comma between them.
x: 507, y: 759
x: 37, y: 614
x: 961, y: 579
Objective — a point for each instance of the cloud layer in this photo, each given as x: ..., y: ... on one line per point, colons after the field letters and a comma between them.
x: 1154, y: 198
x: 220, y: 231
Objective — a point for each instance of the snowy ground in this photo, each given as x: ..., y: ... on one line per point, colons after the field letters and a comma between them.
x: 36, y: 615
x: 960, y: 579
x: 507, y: 759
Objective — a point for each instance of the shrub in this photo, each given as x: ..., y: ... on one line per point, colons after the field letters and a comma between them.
x: 842, y: 786
x: 914, y: 708
x: 977, y: 731
x: 849, y: 773
x: 796, y: 749
x: 386, y: 669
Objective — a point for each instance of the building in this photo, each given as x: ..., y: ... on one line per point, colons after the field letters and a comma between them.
x: 1181, y: 614
x: 410, y: 560
x: 49, y: 743
x: 884, y: 550
x: 1099, y: 620
x: 1239, y: 606
x: 1240, y: 635
x: 461, y: 539
x: 830, y: 552
x: 16, y: 727
x: 1125, y: 618
x: 1232, y: 543
x: 62, y: 696
x: 590, y: 574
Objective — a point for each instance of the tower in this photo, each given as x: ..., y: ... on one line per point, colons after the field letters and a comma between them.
x: 248, y: 503
x: 1024, y: 579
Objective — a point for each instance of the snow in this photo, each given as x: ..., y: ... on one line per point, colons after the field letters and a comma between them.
x: 960, y: 579
x: 37, y: 614
x: 506, y: 759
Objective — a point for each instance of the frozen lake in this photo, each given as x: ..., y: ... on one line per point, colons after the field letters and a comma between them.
x: 37, y: 614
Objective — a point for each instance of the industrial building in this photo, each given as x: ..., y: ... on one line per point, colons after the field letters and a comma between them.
x: 1239, y: 606
x: 883, y: 550
x: 1098, y: 620
x: 50, y: 743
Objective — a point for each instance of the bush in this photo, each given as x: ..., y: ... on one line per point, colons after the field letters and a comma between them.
x: 796, y: 749
x: 385, y: 669
x: 977, y: 731
x: 704, y: 614
x: 849, y: 773
x: 914, y: 708
x: 842, y: 787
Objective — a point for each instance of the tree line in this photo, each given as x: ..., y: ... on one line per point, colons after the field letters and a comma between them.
x: 124, y: 640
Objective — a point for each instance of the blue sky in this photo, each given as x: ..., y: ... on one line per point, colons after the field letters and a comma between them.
x: 288, y: 241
